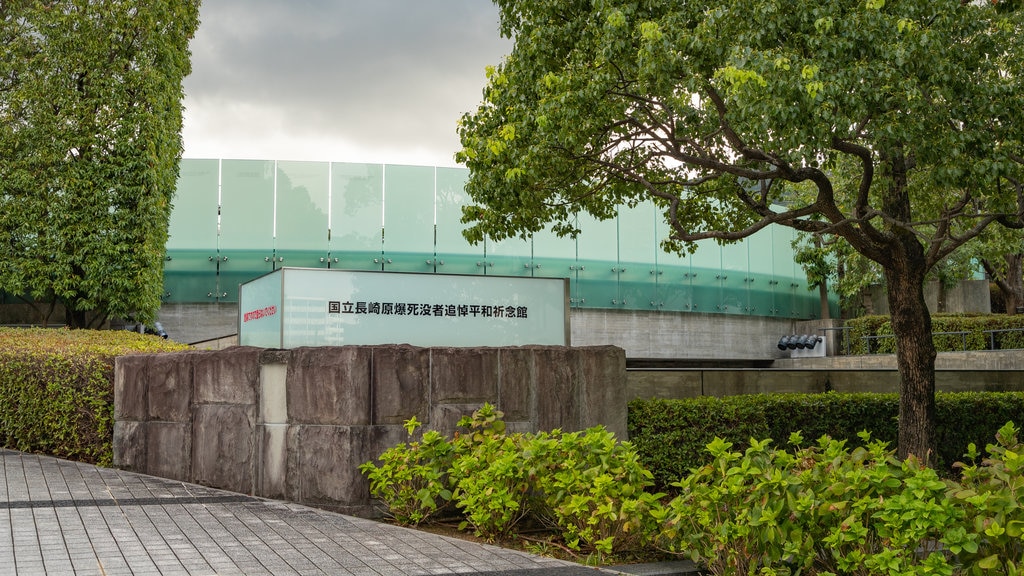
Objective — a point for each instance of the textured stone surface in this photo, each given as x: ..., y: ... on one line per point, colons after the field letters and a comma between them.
x: 517, y: 393
x: 131, y: 400
x: 167, y: 449
x: 445, y: 417
x: 323, y: 461
x: 665, y: 384
x: 129, y: 445
x: 463, y: 375
x: 223, y: 447
x: 556, y: 376
x: 400, y: 384
x: 329, y: 385
x: 603, y: 388
x: 226, y: 438
x: 170, y: 387
x: 226, y: 376
x: 272, y: 465
x: 736, y: 382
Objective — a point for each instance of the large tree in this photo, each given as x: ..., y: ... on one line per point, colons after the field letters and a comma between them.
x: 715, y: 110
x: 90, y: 139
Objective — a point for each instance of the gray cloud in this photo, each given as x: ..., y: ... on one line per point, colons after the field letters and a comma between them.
x: 379, y: 78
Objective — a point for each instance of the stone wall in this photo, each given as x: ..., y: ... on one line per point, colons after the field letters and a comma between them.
x: 295, y: 424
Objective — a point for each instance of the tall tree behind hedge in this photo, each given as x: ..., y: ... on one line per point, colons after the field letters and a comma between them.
x: 90, y: 140
x: 718, y: 111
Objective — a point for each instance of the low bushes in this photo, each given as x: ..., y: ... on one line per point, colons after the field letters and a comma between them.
x: 873, y: 334
x: 57, y: 389
x: 585, y: 485
x: 671, y: 435
x: 822, y: 508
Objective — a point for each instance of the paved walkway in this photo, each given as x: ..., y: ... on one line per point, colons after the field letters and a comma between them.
x: 59, y: 517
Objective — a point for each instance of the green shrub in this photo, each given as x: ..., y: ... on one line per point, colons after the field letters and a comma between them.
x: 992, y: 495
x: 586, y: 485
x: 592, y: 489
x: 670, y: 435
x: 819, y: 510
x: 57, y: 388
x: 412, y: 478
x: 873, y: 334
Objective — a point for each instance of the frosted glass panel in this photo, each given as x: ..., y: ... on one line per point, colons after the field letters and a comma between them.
x: 247, y: 205
x: 356, y: 219
x: 408, y: 218
x: 509, y: 257
x: 303, y: 202
x: 637, y: 257
x: 455, y: 255
x: 190, y: 270
x: 597, y: 255
x: 193, y: 223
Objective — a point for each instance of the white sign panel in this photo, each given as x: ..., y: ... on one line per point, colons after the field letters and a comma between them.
x: 295, y: 307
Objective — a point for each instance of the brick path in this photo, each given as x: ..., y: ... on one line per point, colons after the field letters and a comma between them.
x: 59, y: 517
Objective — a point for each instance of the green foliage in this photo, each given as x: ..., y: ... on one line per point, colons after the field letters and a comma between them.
x: 814, y: 508
x: 57, y: 388
x: 592, y: 488
x: 670, y: 435
x: 90, y: 122
x: 873, y: 334
x: 992, y: 493
x: 412, y: 478
x: 491, y: 485
x: 722, y: 113
x: 818, y: 509
x: 586, y: 485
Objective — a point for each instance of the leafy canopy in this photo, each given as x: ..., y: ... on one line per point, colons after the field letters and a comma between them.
x: 90, y: 123
x: 903, y: 116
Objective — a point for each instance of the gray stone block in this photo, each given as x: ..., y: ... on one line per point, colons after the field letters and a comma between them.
x: 223, y: 447
x: 226, y: 376
x: 401, y: 384
x: 556, y: 377
x: 129, y: 445
x: 168, y: 450
x: 464, y: 375
x: 330, y: 385
x: 603, y: 387
x: 131, y: 374
x: 670, y: 385
x: 323, y: 462
x: 445, y: 417
x: 170, y: 387
x: 516, y: 390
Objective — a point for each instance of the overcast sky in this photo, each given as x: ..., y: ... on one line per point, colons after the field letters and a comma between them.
x: 342, y: 80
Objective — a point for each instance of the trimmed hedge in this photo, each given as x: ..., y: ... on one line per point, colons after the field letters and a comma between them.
x: 671, y: 436
x: 975, y: 325
x: 57, y: 389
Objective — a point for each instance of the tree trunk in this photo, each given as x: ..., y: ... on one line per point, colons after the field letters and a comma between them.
x: 1013, y: 295
x: 915, y: 358
x: 823, y: 298
x: 76, y: 319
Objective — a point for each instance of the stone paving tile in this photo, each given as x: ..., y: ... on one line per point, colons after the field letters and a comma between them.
x: 61, y: 517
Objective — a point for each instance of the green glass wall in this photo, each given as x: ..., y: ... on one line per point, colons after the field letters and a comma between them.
x: 637, y: 239
x: 234, y: 220
x: 301, y: 208
x: 452, y: 253
x: 190, y: 267
x: 356, y: 218
x: 408, y: 218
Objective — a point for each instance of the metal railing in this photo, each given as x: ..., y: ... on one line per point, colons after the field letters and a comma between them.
x: 868, y: 340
